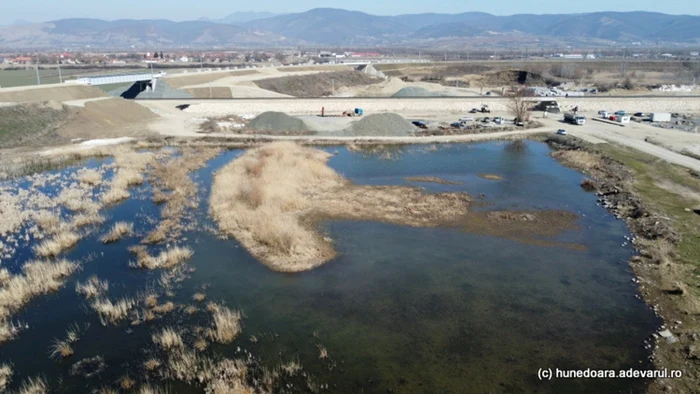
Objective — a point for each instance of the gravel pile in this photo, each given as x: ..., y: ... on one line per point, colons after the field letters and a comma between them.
x: 413, y: 91
x: 277, y: 121
x: 381, y: 125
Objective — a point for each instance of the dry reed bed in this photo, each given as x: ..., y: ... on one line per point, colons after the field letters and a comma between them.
x: 174, y: 187
x: 271, y: 197
x: 37, y: 277
x: 167, y: 258
x: 35, y: 385
x: 92, y: 288
x: 63, y: 348
x: 5, y: 376
x: 118, y: 231
x: 31, y: 214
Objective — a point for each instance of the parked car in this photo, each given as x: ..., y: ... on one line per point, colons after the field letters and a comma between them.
x: 473, y: 111
x: 620, y: 113
x: 420, y: 124
x: 561, y: 132
x: 602, y: 112
x: 466, y: 119
x: 640, y: 114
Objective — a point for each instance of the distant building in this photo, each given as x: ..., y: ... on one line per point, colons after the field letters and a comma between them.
x: 694, y: 53
x: 184, y: 59
x: 23, y: 60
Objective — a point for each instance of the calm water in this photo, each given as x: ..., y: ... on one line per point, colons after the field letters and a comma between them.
x: 400, y: 309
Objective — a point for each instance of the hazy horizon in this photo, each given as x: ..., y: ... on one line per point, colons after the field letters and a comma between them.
x: 34, y: 11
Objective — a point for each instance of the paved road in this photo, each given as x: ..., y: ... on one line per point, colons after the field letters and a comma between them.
x: 561, y: 100
x: 633, y: 136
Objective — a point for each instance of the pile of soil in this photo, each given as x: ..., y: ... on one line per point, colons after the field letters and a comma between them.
x: 382, y: 125
x: 316, y: 85
x: 114, y: 117
x: 413, y: 91
x: 278, y: 122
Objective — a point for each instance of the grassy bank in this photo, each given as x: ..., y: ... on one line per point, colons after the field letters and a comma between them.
x: 659, y: 202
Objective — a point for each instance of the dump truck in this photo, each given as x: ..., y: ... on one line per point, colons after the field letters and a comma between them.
x: 573, y: 118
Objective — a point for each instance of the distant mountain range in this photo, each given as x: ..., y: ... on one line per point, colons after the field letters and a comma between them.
x: 241, y: 17
x: 337, y: 27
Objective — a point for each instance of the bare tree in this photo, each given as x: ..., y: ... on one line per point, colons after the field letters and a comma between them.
x: 519, y: 105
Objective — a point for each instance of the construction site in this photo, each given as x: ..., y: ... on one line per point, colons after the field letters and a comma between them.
x: 312, y: 228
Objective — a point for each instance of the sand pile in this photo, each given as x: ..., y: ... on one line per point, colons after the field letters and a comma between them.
x: 381, y: 125
x: 413, y: 91
x: 277, y: 122
x: 114, y: 117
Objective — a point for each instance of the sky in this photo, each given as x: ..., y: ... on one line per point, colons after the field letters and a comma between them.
x: 178, y: 10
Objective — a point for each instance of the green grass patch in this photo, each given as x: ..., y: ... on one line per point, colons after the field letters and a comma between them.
x: 650, y: 173
x: 23, y: 123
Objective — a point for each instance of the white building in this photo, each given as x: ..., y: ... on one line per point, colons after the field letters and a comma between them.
x: 184, y: 59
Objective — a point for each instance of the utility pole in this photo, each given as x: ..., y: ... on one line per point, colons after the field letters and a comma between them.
x: 60, y: 77
x: 38, y: 78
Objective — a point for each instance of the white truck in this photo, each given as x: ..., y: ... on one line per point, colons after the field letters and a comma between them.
x: 573, y: 118
x: 661, y: 117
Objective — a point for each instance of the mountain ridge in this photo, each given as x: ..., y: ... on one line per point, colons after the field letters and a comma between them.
x: 339, y: 27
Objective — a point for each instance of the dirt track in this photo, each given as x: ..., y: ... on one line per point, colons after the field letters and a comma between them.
x: 421, y: 105
x: 59, y: 93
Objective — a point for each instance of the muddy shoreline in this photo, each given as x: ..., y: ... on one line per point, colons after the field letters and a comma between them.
x: 660, y: 279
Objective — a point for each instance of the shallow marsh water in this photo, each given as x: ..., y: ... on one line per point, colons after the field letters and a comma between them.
x: 402, y: 310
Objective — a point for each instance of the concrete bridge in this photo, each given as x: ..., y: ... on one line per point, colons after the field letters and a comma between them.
x: 146, y: 81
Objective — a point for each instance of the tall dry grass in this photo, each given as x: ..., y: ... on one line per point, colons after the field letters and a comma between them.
x: 86, y: 219
x: 130, y: 167
x: 226, y: 324
x: 62, y: 348
x: 112, y: 312
x: 5, y: 376
x: 271, y: 197
x: 148, y: 389
x: 38, y: 277
x: 34, y: 386
x: 258, y: 196
x: 89, y: 176
x: 168, y: 339
x: 176, y: 190
x: 117, y: 232
x: 58, y: 244
x: 167, y: 258
x: 92, y: 288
